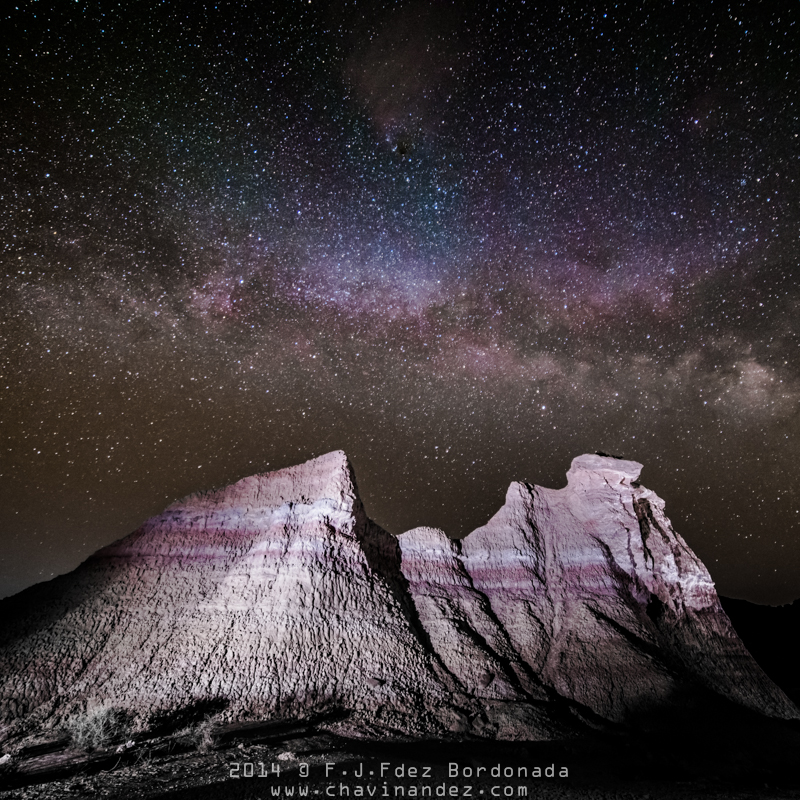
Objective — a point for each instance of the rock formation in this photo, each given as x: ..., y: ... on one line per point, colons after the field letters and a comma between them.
x: 277, y: 598
x: 590, y: 590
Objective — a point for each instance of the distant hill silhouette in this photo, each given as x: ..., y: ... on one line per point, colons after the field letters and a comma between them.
x: 771, y: 634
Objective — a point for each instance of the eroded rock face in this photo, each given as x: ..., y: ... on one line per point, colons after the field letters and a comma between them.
x: 605, y: 602
x: 278, y: 598
x: 275, y: 595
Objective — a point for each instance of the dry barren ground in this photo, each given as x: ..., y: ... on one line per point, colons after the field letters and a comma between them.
x: 318, y: 766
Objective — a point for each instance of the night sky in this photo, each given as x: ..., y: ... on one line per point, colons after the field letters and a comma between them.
x: 462, y: 243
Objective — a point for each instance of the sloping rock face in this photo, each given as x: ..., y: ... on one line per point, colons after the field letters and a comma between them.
x: 473, y: 646
x: 277, y: 598
x: 588, y: 589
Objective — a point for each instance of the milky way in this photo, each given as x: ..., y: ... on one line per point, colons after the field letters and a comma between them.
x: 462, y: 243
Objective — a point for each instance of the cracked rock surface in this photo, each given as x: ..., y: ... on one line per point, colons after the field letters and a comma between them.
x: 277, y: 598
x: 587, y: 591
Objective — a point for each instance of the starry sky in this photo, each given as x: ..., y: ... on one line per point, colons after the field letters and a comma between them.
x: 464, y: 243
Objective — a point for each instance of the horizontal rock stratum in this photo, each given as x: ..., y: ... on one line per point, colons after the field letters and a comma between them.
x: 277, y: 598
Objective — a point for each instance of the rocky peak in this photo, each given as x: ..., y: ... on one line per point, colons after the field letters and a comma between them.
x: 321, y: 489
x: 277, y: 598
x: 327, y: 477
x: 591, y: 582
x: 593, y: 467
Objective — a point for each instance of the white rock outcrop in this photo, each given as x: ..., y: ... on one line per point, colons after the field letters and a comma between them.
x: 277, y: 598
x: 597, y: 597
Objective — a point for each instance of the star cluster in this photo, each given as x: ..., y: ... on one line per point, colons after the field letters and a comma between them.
x: 463, y: 243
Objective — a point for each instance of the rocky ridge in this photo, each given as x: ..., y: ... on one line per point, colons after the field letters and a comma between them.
x: 277, y: 598
x: 596, y: 596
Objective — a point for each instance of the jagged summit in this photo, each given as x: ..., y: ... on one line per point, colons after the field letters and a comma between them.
x: 322, y: 488
x: 609, y: 467
x: 274, y: 597
x: 329, y: 476
x: 592, y: 583
x: 278, y: 598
